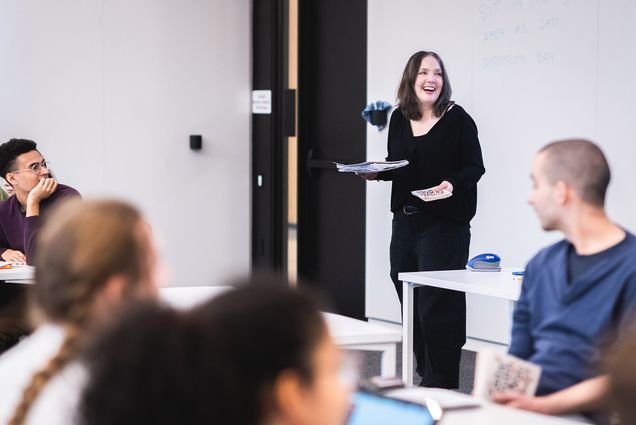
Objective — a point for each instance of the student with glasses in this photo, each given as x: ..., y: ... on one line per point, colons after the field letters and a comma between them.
x: 28, y: 173
x: 35, y: 191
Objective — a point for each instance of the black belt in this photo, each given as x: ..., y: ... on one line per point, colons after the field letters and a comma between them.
x: 410, y: 210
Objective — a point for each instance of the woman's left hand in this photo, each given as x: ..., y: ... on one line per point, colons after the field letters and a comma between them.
x: 443, y: 185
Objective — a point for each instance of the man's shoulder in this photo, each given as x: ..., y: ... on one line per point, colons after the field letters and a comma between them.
x: 64, y: 191
x: 67, y: 188
x: 624, y: 256
x: 548, y: 254
x: 630, y: 241
x: 8, y: 204
x: 62, y: 194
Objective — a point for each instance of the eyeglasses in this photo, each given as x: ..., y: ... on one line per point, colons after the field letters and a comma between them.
x: 35, y: 167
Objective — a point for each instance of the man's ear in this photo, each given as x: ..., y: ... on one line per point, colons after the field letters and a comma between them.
x: 10, y: 178
x: 289, y: 398
x: 563, y: 192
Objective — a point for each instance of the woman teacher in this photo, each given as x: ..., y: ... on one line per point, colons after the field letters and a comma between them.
x: 439, y: 139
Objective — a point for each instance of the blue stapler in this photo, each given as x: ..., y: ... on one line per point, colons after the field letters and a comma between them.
x: 487, y: 262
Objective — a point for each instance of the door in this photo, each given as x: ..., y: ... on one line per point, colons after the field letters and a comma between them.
x: 332, y: 59
x: 272, y: 122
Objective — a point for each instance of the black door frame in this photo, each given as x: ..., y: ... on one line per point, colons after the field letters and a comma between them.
x: 269, y: 132
x: 332, y: 60
x: 343, y: 284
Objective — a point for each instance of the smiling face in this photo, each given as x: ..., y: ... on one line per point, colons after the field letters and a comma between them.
x: 429, y: 82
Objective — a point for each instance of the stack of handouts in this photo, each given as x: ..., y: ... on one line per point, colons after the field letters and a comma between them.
x: 371, y: 166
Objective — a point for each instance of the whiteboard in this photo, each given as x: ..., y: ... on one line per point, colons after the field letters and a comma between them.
x: 529, y: 72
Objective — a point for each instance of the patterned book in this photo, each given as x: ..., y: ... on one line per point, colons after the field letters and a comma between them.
x: 498, y: 372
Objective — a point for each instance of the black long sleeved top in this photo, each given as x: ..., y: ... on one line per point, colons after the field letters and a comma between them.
x: 449, y: 151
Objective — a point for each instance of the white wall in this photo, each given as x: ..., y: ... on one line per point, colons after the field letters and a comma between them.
x: 111, y: 91
x: 529, y: 72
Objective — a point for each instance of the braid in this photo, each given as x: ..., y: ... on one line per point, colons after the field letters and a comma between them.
x: 81, y: 246
x: 78, y: 314
x: 30, y: 394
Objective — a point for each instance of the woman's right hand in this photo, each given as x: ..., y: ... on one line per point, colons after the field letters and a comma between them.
x: 368, y: 176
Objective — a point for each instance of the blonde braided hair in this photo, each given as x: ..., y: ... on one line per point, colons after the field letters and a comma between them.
x: 41, y: 378
x: 82, y: 245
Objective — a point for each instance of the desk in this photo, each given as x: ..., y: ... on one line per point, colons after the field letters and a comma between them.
x: 354, y: 334
x: 499, y: 285
x: 486, y: 414
x: 347, y: 333
x: 18, y: 274
x: 185, y: 297
x: 493, y: 414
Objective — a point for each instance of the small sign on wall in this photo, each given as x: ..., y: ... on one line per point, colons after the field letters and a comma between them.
x: 261, y: 101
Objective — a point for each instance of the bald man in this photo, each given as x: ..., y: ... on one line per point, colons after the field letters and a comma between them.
x: 579, y: 293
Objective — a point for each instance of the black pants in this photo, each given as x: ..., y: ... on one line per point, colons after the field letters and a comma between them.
x: 419, y: 243
x: 14, y: 322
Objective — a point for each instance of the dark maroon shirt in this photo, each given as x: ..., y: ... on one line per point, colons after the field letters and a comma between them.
x: 17, y: 231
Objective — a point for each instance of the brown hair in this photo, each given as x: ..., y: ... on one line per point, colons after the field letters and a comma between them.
x: 82, y: 245
x: 621, y: 396
x: 406, y: 97
x: 212, y: 377
x: 582, y: 165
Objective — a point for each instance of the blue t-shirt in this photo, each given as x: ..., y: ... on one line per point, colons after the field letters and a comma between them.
x: 564, y: 326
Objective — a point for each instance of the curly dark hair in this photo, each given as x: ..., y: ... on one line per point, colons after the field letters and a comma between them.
x: 12, y: 149
x: 218, y: 363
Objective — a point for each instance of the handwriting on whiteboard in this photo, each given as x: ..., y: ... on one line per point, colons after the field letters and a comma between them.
x: 521, y: 32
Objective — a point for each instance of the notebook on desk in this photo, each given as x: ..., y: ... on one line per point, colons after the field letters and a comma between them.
x: 373, y: 409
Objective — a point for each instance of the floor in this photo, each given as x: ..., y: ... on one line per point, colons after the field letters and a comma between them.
x: 369, y: 363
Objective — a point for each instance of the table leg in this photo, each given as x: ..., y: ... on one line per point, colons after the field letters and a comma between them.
x: 407, y: 333
x: 389, y: 361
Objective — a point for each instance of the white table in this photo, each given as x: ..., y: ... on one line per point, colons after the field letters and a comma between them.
x: 499, y: 285
x: 354, y: 334
x: 18, y: 274
x: 486, y: 413
x: 493, y: 414
x: 347, y: 333
x: 184, y: 297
